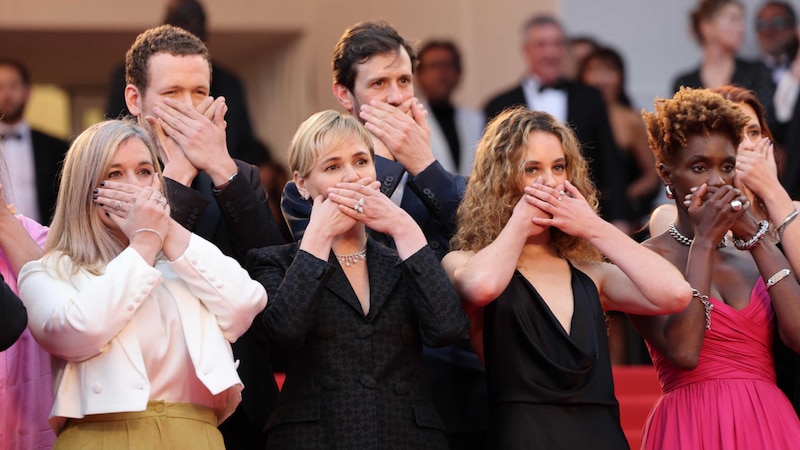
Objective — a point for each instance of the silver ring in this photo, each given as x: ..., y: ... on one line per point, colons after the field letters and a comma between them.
x: 361, y: 201
x: 359, y: 209
x: 736, y: 205
x: 119, y: 204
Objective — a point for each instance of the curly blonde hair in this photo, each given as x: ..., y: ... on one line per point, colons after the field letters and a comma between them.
x: 689, y: 113
x: 495, y: 185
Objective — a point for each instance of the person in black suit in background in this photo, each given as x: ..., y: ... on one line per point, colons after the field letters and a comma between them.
x: 544, y: 88
x: 190, y: 15
x: 221, y: 199
x: 36, y: 157
x: 13, y: 316
x: 352, y: 313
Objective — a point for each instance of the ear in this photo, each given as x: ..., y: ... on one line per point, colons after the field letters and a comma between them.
x: 300, y: 182
x: 133, y: 99
x: 345, y: 97
x: 664, y: 173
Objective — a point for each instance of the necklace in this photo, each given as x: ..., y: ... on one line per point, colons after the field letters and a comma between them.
x: 352, y: 258
x: 686, y: 241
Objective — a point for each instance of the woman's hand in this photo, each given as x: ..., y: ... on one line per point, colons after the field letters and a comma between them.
x: 568, y: 209
x: 756, y: 169
x: 134, y: 209
x: 713, y: 210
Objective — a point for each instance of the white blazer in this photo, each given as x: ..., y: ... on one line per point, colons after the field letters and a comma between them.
x: 469, y: 126
x: 88, y: 324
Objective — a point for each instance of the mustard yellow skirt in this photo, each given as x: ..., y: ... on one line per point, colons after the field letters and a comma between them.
x: 163, y: 425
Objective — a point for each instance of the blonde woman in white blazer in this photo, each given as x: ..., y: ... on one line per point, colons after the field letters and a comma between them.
x: 137, y: 312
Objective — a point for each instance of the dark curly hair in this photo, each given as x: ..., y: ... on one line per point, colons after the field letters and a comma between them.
x: 691, y: 112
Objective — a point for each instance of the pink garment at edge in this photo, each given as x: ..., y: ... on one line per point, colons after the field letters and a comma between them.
x: 26, y: 386
x: 730, y: 401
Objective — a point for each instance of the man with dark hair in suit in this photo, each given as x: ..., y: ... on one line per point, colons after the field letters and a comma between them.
x: 168, y: 71
x: 190, y: 15
x: 581, y: 107
x: 35, y: 157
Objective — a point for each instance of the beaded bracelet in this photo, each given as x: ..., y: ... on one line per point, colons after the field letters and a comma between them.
x: 789, y: 219
x: 149, y: 230
x: 779, y: 275
x: 753, y: 241
x: 706, y: 305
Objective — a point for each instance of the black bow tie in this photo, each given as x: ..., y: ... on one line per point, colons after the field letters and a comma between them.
x: 559, y: 85
x: 7, y: 136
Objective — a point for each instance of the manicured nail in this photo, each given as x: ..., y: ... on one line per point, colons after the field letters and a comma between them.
x: 94, y: 191
x: 102, y: 183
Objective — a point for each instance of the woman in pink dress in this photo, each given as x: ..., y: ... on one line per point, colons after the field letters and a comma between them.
x: 26, y: 388
x: 714, y: 359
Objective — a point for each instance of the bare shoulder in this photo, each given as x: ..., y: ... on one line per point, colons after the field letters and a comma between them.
x: 596, y: 270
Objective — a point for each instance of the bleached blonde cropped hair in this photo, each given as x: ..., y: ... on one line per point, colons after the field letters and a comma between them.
x: 77, y: 233
x: 326, y: 128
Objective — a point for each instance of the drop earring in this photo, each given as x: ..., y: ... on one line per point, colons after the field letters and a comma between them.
x: 670, y: 194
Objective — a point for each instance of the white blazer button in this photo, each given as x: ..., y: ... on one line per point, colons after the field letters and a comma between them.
x: 131, y: 306
x: 97, y: 388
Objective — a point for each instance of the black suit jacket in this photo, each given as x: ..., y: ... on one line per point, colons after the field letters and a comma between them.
x: 48, y: 156
x: 13, y: 316
x: 431, y: 198
x: 586, y: 114
x: 356, y: 381
x: 237, y: 219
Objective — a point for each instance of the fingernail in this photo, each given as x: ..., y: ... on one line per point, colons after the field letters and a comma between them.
x: 102, y: 183
x: 94, y: 191
x: 94, y: 197
x: 687, y: 202
x: 693, y: 189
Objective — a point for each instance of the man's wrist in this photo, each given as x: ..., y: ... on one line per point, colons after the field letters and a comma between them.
x: 219, y: 188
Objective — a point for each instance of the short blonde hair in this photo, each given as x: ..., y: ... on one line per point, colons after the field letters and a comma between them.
x: 329, y: 128
x: 77, y: 233
x: 495, y: 185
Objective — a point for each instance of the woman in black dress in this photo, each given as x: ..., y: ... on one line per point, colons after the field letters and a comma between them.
x: 529, y: 267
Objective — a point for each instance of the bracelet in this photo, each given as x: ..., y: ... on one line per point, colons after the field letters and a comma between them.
x: 218, y: 189
x: 149, y: 230
x: 753, y: 241
x: 789, y: 219
x: 706, y: 305
x: 779, y: 275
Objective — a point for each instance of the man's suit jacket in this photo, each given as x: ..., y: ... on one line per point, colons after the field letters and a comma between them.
x: 587, y: 115
x: 355, y: 380
x: 431, y: 198
x: 237, y: 220
x: 48, y: 156
x: 13, y: 317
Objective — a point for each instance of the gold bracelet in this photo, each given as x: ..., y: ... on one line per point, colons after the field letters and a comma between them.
x: 779, y: 275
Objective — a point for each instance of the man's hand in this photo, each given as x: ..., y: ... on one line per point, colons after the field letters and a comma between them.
x: 406, y: 136
x: 200, y: 134
x: 176, y: 166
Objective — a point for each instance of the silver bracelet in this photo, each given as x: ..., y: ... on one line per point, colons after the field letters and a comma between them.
x: 789, y: 219
x: 149, y: 230
x: 753, y: 241
x: 706, y: 305
x: 779, y: 275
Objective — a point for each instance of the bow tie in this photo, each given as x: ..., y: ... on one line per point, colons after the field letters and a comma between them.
x: 559, y: 85
x: 12, y: 135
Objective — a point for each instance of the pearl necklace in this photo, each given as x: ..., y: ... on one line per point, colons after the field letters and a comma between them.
x: 352, y: 258
x: 688, y: 242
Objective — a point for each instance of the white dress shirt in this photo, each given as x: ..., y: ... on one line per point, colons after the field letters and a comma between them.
x: 20, y: 170
x: 552, y: 101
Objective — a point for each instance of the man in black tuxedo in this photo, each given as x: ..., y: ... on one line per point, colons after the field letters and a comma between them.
x: 168, y: 71
x: 544, y: 88
x: 32, y: 158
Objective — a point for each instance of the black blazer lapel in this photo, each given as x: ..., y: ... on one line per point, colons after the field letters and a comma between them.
x: 384, y: 273
x: 340, y: 286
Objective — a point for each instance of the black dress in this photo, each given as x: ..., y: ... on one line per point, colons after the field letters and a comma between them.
x: 547, y: 389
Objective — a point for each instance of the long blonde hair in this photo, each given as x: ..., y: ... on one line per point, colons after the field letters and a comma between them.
x: 77, y: 233
x: 495, y: 185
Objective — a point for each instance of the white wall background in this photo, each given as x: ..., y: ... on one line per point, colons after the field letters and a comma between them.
x: 653, y: 36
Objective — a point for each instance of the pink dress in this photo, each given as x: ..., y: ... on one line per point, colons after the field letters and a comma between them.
x: 26, y: 386
x: 730, y: 401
